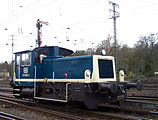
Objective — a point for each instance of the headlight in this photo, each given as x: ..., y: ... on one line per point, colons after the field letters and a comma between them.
x: 87, y: 73
x: 103, y: 52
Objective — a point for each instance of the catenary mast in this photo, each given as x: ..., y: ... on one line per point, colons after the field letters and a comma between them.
x: 115, y: 15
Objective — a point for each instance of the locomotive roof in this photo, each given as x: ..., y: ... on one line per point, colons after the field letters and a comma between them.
x: 22, y: 52
x: 62, y: 50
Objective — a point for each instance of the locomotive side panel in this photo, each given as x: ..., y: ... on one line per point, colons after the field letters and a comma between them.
x: 72, y: 68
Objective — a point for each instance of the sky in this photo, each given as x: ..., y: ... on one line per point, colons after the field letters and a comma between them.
x: 85, y: 23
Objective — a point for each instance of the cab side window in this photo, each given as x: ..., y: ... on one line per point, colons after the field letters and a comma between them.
x: 18, y: 60
x: 26, y: 58
x: 39, y: 54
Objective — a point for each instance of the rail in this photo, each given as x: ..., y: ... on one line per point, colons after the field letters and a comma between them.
x: 44, y: 111
x: 126, y: 109
x: 6, y: 116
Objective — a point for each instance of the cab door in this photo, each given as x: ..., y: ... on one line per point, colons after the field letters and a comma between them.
x: 17, y: 66
x: 23, y: 68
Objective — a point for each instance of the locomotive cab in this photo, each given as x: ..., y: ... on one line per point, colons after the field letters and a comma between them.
x: 26, y: 65
x: 26, y: 61
x: 51, y: 73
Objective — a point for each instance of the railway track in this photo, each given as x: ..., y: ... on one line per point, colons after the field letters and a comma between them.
x: 149, y: 87
x: 43, y: 111
x: 107, y: 115
x: 143, y: 103
x: 128, y: 109
x: 147, y: 98
x: 86, y: 116
x: 6, y: 116
x: 144, y: 97
x: 150, y: 98
x: 6, y: 89
x: 121, y: 117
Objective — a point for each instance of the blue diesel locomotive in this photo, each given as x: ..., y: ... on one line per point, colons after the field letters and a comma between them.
x: 51, y: 73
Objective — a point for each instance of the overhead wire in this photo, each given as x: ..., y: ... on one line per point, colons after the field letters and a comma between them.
x: 141, y: 10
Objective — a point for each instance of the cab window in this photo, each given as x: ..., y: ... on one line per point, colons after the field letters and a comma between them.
x: 26, y: 58
x: 18, y: 60
x: 39, y: 55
